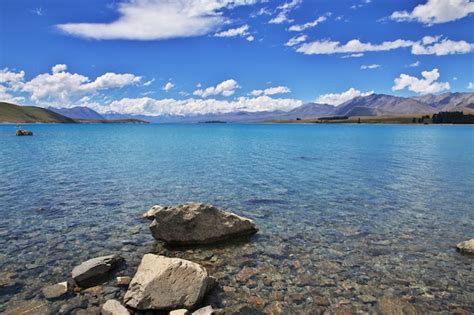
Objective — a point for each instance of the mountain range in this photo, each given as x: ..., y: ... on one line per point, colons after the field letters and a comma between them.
x: 371, y: 105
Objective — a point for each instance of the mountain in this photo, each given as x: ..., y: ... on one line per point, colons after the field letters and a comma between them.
x: 382, y: 105
x: 10, y: 113
x: 78, y: 112
x: 310, y: 110
x: 449, y: 101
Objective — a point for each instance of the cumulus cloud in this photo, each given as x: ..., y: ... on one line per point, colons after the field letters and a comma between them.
x: 60, y: 86
x: 432, y: 46
x: 427, y: 46
x: 374, y: 66
x: 150, y: 106
x: 271, y: 91
x: 234, y: 32
x: 283, y: 11
x: 296, y: 40
x: 426, y: 85
x: 436, y: 11
x: 302, y: 27
x: 470, y: 85
x: 339, y: 98
x: 225, y: 88
x: 168, y: 86
x: 158, y: 20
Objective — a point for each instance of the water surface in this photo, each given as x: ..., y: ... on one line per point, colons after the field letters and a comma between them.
x: 351, y: 217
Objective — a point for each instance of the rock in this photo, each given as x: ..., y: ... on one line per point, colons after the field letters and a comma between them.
x: 31, y: 307
x: 150, y: 214
x: 198, y: 223
x: 466, y: 247
x: 368, y: 298
x: 55, y: 291
x: 182, y: 311
x: 208, y: 310
x: 245, y: 274
x: 394, y: 306
x: 113, y: 307
x: 163, y: 283
x: 6, y: 279
x: 124, y: 280
x: 92, y: 271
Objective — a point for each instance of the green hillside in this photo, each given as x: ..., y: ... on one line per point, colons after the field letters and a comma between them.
x: 10, y: 113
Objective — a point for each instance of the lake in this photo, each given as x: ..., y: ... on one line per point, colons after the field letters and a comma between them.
x: 351, y: 217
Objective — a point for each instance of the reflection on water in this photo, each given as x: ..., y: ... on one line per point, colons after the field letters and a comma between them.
x: 355, y: 217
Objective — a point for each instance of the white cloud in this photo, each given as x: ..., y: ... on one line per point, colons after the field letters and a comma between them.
x: 302, y: 27
x: 357, y: 55
x: 470, y: 86
x: 427, y: 46
x: 436, y: 11
x: 415, y: 64
x: 339, y: 98
x: 168, y: 86
x: 441, y: 48
x: 225, y: 88
x: 233, y: 32
x: 271, y: 91
x: 283, y: 11
x: 353, y: 46
x: 150, y: 106
x: 374, y: 66
x: 158, y: 20
x: 148, y: 83
x: 11, y: 78
x: 250, y: 38
x: 59, y: 68
x: 296, y: 40
x: 61, y: 86
x: 428, y: 84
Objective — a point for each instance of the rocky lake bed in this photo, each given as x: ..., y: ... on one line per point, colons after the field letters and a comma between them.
x: 208, y: 261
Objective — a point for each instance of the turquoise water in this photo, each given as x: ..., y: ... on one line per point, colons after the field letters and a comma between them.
x: 345, y: 211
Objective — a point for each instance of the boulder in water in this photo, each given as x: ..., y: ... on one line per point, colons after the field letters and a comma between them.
x: 466, y: 247
x: 163, y: 283
x: 92, y: 271
x: 198, y: 223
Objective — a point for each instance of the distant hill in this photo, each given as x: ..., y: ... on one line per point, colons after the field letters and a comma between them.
x: 11, y: 113
x: 78, y: 112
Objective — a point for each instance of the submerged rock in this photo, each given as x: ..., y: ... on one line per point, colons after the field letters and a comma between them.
x: 207, y: 310
x: 198, y: 223
x: 163, y: 283
x: 466, y: 247
x: 113, y: 307
x: 92, y: 271
x: 55, y: 291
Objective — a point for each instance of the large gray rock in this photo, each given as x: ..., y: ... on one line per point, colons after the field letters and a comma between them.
x: 113, y: 307
x: 93, y: 271
x: 198, y: 223
x: 466, y: 247
x: 163, y: 283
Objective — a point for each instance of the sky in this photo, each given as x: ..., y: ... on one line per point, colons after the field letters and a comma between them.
x: 182, y: 57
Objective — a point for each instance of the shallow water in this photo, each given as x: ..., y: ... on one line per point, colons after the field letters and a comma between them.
x: 360, y: 218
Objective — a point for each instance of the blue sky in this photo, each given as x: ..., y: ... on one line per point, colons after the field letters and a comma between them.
x: 199, y: 56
